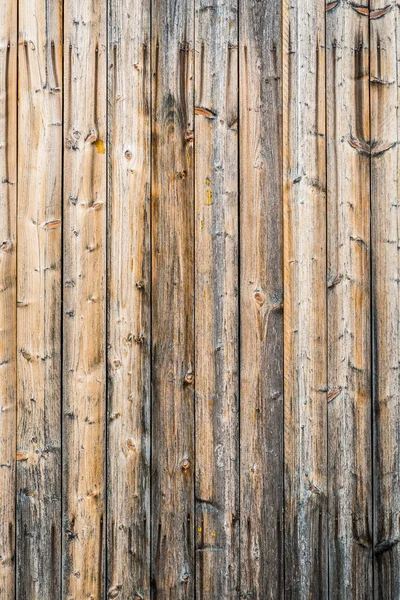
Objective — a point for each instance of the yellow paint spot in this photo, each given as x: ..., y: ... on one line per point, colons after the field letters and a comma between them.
x: 101, y: 149
x: 213, y: 534
x: 199, y: 529
x: 208, y: 181
x: 209, y: 198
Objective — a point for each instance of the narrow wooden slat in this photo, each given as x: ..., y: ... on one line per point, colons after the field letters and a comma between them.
x: 8, y: 225
x: 172, y: 300
x: 216, y: 284
x: 39, y: 300
x: 128, y: 521
x: 384, y: 84
x: 261, y: 322
x: 84, y: 318
x: 349, y: 379
x: 305, y: 364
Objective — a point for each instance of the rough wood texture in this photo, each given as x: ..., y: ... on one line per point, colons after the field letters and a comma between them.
x: 8, y: 317
x: 199, y: 300
x: 349, y: 339
x: 84, y: 361
x: 172, y: 300
x: 216, y: 284
x: 129, y: 301
x: 384, y: 82
x: 305, y: 361
x: 261, y: 323
x: 39, y: 300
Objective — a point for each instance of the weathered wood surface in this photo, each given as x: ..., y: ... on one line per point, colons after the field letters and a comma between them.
x: 216, y: 284
x: 305, y: 331
x: 199, y: 304
x: 384, y: 89
x: 173, y: 377
x: 39, y: 261
x: 84, y: 297
x: 8, y: 306
x: 261, y: 300
x: 129, y: 288
x: 349, y: 333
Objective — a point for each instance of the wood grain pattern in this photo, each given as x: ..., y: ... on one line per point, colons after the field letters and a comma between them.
x: 216, y: 284
x: 8, y: 317
x: 39, y: 300
x: 261, y: 322
x: 172, y: 300
x: 384, y: 56
x: 129, y: 343
x: 349, y: 339
x: 84, y: 318
x: 305, y: 353
x: 199, y: 300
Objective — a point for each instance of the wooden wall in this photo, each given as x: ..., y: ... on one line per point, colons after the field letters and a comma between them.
x: 199, y: 300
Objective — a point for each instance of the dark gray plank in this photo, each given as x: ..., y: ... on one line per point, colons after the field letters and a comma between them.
x: 172, y: 300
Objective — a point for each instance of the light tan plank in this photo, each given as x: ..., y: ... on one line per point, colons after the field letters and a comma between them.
x: 8, y: 226
x: 84, y: 361
x: 384, y: 90
x: 216, y: 284
x: 261, y: 295
x: 172, y: 300
x: 305, y: 340
x: 349, y: 374
x: 129, y: 301
x: 39, y: 300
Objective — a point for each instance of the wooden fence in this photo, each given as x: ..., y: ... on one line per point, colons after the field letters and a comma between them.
x: 199, y: 299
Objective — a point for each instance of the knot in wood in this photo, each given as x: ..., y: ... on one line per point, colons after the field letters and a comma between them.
x: 189, y: 377
x: 259, y: 298
x: 114, y: 591
x: 185, y: 464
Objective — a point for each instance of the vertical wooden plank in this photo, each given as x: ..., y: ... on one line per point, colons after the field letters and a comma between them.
x: 39, y: 300
x: 305, y: 349
x: 384, y: 84
x: 261, y: 295
x: 172, y: 300
x: 128, y: 520
x: 349, y: 334
x: 84, y: 364
x: 216, y: 277
x: 8, y: 317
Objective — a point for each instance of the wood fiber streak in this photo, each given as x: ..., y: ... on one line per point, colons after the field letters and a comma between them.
x: 129, y: 281
x: 384, y: 86
x: 8, y: 317
x: 349, y: 339
x: 173, y: 377
x: 305, y: 337
x: 261, y: 300
x: 39, y: 300
x: 84, y: 298
x: 199, y: 300
x: 216, y: 285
